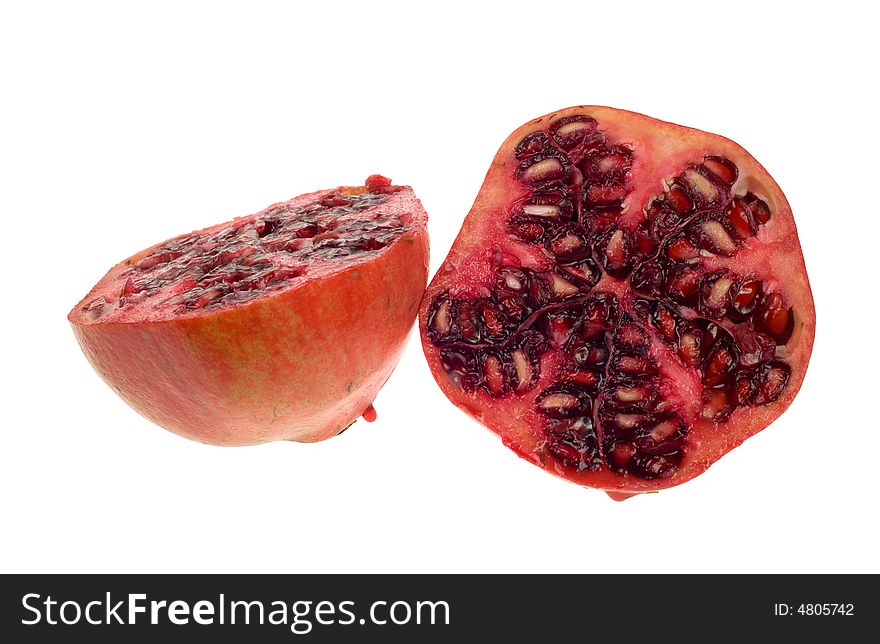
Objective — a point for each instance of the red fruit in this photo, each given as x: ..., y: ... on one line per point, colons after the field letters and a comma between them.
x: 282, y: 325
x: 694, y: 334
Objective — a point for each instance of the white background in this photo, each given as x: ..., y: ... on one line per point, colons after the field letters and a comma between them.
x: 123, y: 125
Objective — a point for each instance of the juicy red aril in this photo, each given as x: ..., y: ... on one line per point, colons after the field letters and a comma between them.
x: 741, y: 219
x: 770, y: 381
x: 679, y: 200
x: 759, y: 208
x: 720, y: 362
x: 573, y: 443
x: 564, y: 402
x: 683, y: 284
x: 633, y: 365
x: 572, y: 132
x: 493, y: 320
x: 665, y: 321
x: 468, y: 326
x: 620, y: 290
x: 746, y: 299
x: 569, y: 245
x: 494, y: 374
x: 722, y: 168
x: 527, y: 229
x: 542, y: 168
x: 681, y: 249
x: 775, y: 318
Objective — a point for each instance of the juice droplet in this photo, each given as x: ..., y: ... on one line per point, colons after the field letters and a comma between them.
x: 369, y: 414
x: 620, y: 496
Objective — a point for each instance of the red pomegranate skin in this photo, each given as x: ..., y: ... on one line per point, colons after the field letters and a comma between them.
x: 299, y: 364
x: 660, y: 151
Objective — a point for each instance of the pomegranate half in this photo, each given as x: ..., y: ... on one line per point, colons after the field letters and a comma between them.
x: 282, y: 325
x: 626, y: 301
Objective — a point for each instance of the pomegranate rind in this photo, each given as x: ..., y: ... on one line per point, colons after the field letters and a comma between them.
x: 297, y: 364
x: 661, y: 150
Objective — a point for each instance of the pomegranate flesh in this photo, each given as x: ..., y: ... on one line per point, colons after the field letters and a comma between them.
x: 282, y: 325
x: 625, y: 303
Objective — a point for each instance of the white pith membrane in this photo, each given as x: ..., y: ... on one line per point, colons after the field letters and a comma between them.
x: 644, y: 322
x: 249, y: 257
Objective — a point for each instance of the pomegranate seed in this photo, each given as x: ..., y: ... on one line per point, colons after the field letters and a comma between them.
x: 744, y: 389
x: 558, y: 328
x: 648, y: 279
x: 631, y: 336
x: 605, y: 194
x: 525, y: 374
x: 716, y: 404
x: 458, y: 366
x: 775, y: 318
x: 679, y: 200
x: 634, y: 365
x: 567, y: 454
x: 562, y: 404
x: 722, y: 359
x: 631, y: 394
x: 493, y: 372
x: 690, y: 348
x: 493, y: 320
x: 719, y: 240
x: 96, y: 308
x: 722, y: 168
x: 645, y: 244
x: 514, y: 307
x: 717, y: 296
x: 747, y: 297
x: 664, y: 430
x: 265, y: 227
x: 513, y: 280
x: 586, y: 379
x: 615, y: 162
x: 704, y: 191
x: 561, y: 286
x: 682, y: 250
x: 683, y: 284
x: 595, y: 355
x: 771, y: 382
x: 467, y: 323
x: 549, y: 197
x: 622, y: 453
x: 544, y: 170
x: 585, y: 272
x: 526, y: 230
x: 665, y: 322
x: 754, y: 347
x: 532, y: 144
x: 660, y: 466
x: 741, y: 220
x: 539, y: 210
x: 616, y: 251
x: 571, y: 133
x: 602, y: 218
x: 759, y: 208
x: 569, y: 245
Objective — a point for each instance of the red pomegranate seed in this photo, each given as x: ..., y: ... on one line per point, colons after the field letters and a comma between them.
x: 722, y: 168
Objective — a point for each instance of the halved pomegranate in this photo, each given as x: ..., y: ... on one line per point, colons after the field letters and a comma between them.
x: 626, y: 301
x: 278, y: 326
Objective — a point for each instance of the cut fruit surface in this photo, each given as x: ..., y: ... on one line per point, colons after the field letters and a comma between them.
x: 280, y: 325
x: 626, y: 301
